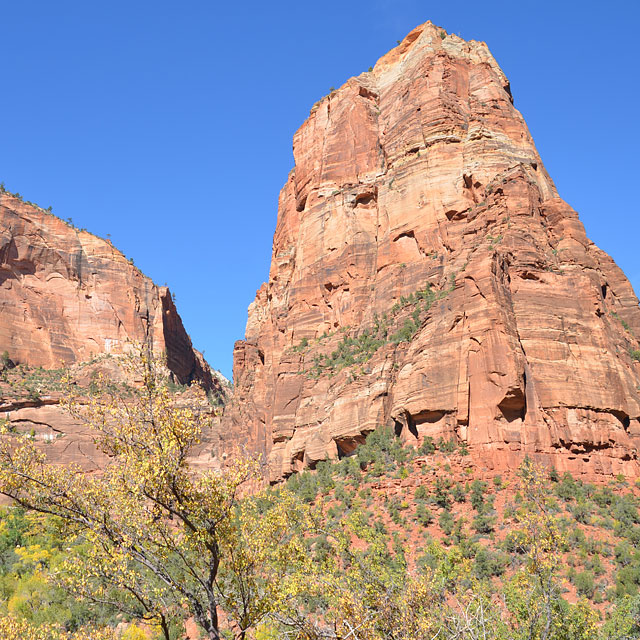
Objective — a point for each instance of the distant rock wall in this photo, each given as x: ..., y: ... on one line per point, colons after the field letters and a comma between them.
x: 426, y: 275
x: 67, y: 296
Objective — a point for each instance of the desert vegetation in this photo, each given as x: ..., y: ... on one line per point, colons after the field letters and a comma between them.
x: 398, y: 324
x: 392, y: 542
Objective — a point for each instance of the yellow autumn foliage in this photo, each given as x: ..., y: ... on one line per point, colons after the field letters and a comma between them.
x: 150, y: 535
x: 12, y: 628
x: 134, y: 632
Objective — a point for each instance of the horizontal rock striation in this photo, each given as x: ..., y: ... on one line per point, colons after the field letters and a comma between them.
x: 426, y: 275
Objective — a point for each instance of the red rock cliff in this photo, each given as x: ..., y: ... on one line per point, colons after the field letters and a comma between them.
x: 426, y: 275
x: 67, y: 296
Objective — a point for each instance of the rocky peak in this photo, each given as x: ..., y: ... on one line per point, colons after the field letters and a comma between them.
x: 70, y: 302
x: 426, y: 275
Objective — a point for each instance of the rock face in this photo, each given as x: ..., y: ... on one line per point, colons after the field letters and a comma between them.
x: 426, y: 275
x: 67, y: 296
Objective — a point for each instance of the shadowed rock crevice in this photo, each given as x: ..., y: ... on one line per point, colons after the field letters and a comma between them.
x: 347, y: 446
x: 514, y: 405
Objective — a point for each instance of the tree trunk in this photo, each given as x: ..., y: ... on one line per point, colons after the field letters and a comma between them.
x: 165, y: 628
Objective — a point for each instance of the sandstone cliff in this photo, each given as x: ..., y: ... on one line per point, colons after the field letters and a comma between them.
x: 68, y: 297
x: 426, y: 275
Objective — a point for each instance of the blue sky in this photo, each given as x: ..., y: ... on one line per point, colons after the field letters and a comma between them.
x: 168, y: 125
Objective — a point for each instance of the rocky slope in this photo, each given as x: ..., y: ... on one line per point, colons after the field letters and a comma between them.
x: 68, y: 297
x: 426, y: 275
x: 431, y: 496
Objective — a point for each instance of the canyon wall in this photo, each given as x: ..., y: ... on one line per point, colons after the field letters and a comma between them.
x: 68, y: 298
x: 427, y: 276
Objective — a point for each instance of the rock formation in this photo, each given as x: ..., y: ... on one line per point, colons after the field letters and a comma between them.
x: 426, y: 275
x: 68, y: 297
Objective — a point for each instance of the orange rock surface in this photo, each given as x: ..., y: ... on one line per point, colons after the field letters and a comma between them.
x: 419, y: 204
x: 67, y: 296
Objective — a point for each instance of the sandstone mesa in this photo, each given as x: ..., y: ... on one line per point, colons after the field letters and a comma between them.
x: 67, y: 297
x: 425, y: 275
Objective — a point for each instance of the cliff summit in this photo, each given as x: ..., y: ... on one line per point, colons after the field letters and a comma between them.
x: 427, y: 276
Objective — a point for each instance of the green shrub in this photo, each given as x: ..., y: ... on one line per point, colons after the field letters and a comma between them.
x: 581, y: 512
x: 428, y: 560
x: 624, y: 554
x: 446, y: 522
x: 406, y: 333
x: 458, y: 493
x: 304, y: 343
x: 447, y: 446
x: 625, y: 510
x: 441, y: 494
x: 478, y: 491
x: 343, y: 496
x: 349, y: 351
x: 585, y: 584
x: 483, y: 523
x: 427, y: 447
x: 488, y: 563
x: 594, y: 564
x: 381, y: 452
x: 567, y: 488
x: 576, y: 537
x: 627, y: 581
x: 423, y: 515
x: 304, y: 485
x: 359, y: 349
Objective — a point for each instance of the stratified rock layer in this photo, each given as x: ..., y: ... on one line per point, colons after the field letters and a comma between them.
x: 67, y: 296
x: 421, y: 176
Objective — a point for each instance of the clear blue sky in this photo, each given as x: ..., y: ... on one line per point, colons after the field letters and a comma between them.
x: 168, y: 124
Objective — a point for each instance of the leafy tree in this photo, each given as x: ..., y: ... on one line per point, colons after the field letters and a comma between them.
x: 12, y: 628
x: 483, y: 523
x: 478, y: 491
x: 427, y: 447
x: 624, y: 621
x: 441, y: 494
x: 423, y: 515
x: 488, y: 563
x: 446, y: 522
x: 533, y: 594
x: 170, y: 541
x: 458, y: 493
x: 585, y: 583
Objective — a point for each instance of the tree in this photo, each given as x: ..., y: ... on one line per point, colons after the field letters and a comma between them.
x: 533, y: 594
x: 151, y: 536
x: 361, y: 589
